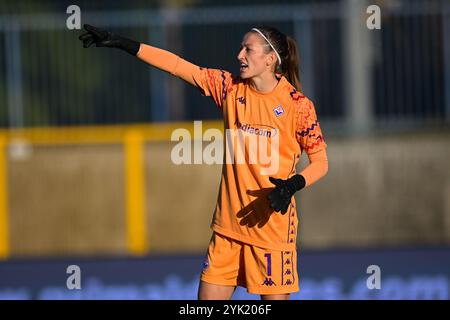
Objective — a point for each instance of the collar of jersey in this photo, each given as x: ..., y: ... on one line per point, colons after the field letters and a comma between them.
x: 277, y: 88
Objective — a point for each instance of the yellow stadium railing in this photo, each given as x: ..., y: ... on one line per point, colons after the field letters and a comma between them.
x: 4, y: 229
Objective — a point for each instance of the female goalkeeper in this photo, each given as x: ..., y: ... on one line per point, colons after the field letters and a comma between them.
x: 255, y: 221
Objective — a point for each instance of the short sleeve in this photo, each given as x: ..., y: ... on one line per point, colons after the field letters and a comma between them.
x: 214, y: 83
x: 309, y: 134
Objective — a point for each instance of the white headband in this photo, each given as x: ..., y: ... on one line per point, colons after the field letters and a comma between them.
x: 278, y: 56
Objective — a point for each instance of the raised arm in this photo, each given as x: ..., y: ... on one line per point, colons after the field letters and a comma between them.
x: 169, y: 62
x: 161, y: 59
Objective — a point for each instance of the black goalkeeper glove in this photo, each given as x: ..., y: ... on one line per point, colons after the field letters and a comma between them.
x: 103, y: 38
x: 280, y: 197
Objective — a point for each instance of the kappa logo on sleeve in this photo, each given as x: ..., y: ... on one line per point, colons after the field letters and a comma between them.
x: 241, y: 100
x: 278, y: 111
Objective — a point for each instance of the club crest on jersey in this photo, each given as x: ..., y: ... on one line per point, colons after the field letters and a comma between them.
x: 278, y: 111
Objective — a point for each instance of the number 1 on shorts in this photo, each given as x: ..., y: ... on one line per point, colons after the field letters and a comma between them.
x: 269, y: 263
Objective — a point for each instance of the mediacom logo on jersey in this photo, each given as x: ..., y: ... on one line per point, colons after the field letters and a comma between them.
x: 245, y: 144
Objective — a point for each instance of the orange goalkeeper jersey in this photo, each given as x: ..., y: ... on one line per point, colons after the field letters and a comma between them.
x: 265, y: 136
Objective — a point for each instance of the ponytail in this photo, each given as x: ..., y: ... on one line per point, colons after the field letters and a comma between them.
x: 290, y: 66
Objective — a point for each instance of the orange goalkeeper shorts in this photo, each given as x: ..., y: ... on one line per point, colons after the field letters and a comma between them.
x: 262, y: 271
